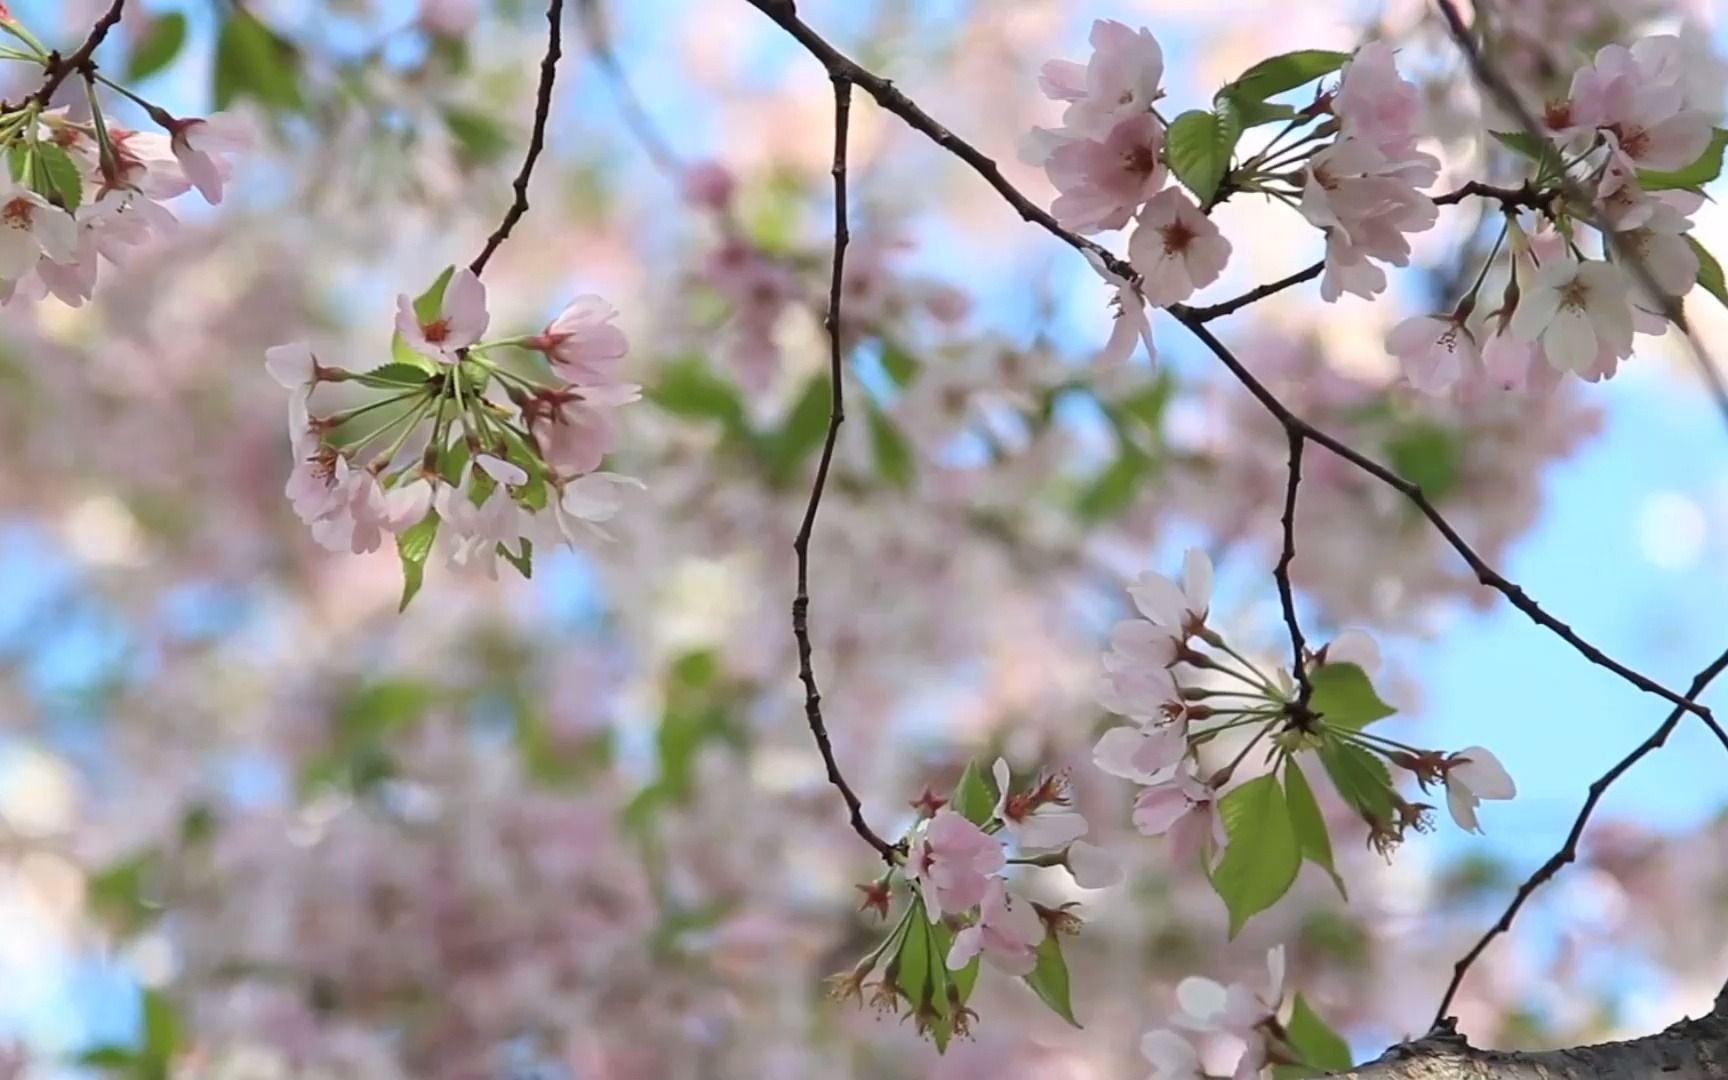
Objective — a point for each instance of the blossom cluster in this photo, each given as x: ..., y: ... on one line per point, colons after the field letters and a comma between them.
x: 1625, y: 152
x: 957, y: 860
x: 1185, y: 687
x: 83, y: 190
x: 487, y: 447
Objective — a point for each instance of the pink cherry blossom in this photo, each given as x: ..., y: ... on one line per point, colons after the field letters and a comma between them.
x: 1091, y: 866
x: 30, y: 228
x: 951, y: 862
x: 1141, y: 754
x: 202, y: 146
x: 1434, y: 351
x: 577, y: 429
x: 1176, y: 248
x: 1101, y: 182
x: 1172, y: 1057
x: 1121, y: 79
x: 1180, y: 609
x: 1471, y: 775
x: 1576, y: 310
x: 1132, y: 329
x: 1036, y: 820
x: 459, y: 324
x: 1186, y: 809
x: 1007, y: 933
x: 582, y: 344
x: 1376, y: 104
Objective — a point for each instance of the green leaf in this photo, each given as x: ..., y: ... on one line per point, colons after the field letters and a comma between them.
x: 161, y: 1038
x: 1541, y: 151
x: 157, y: 47
x: 972, y: 799
x: 1360, y: 777
x: 395, y: 374
x: 1198, y: 148
x: 480, y: 139
x: 107, y: 1057
x: 956, y: 988
x: 1114, y: 489
x: 1323, y: 1050
x: 900, y: 365
x: 1277, y: 74
x: 57, y: 177
x: 251, y: 61
x: 1707, y: 168
x: 1255, y: 113
x: 689, y: 389
x: 413, y: 545
x: 117, y: 893
x: 802, y: 431
x: 1049, y: 979
x: 914, y: 959
x: 1261, y: 859
x: 1345, y: 698
x: 523, y: 561
x: 1429, y: 456
x: 1709, y: 271
x: 893, y: 454
x: 1312, y: 837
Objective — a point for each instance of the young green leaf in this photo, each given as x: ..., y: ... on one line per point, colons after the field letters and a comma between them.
x: 972, y: 799
x: 157, y: 47
x: 802, y: 431
x: 900, y: 365
x: 914, y: 959
x: 687, y: 388
x: 395, y: 375
x: 1709, y: 270
x: 1345, y: 698
x: 1541, y: 151
x: 1198, y: 148
x: 251, y: 61
x: 1262, y: 857
x: 413, y: 545
x: 1428, y: 455
x: 1277, y: 74
x: 1707, y: 168
x: 893, y: 454
x: 1360, y: 777
x: 1309, y: 825
x: 1114, y: 489
x: 523, y: 561
x: 1049, y: 979
x: 57, y: 176
x: 1323, y: 1050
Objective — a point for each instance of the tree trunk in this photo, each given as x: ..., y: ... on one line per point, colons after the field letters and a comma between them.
x: 1688, y: 1050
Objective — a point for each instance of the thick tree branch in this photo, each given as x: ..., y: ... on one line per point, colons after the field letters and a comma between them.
x: 536, y: 138
x: 1687, y: 1050
x: 59, y: 67
x: 836, y: 416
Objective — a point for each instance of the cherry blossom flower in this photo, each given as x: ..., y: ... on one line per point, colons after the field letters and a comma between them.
x: 1140, y: 754
x: 1179, y: 609
x: 406, y: 504
x: 1038, y: 819
x: 1354, y: 647
x: 1434, y: 351
x: 31, y: 227
x: 1091, y: 866
x: 1185, y: 808
x: 1172, y: 1057
x: 460, y: 322
x: 1007, y: 933
x: 1471, y: 775
x: 1247, y: 1013
x: 583, y: 505
x: 1575, y: 309
x: 951, y: 862
x: 582, y: 344
x: 1132, y: 328
x: 1100, y: 183
x: 202, y: 144
x: 1120, y: 80
x: 1176, y: 248
x: 1636, y: 98
x: 575, y: 429
x: 1367, y: 204
x: 1376, y: 104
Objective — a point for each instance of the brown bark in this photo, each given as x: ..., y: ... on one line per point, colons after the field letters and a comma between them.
x: 1688, y: 1050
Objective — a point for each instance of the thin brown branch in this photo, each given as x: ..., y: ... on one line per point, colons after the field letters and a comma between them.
x: 1281, y: 573
x: 836, y: 416
x: 536, y: 138
x: 59, y: 67
x: 1569, y: 850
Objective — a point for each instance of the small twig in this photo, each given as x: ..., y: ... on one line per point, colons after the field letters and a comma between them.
x: 536, y: 138
x: 60, y: 67
x: 1569, y: 850
x: 1286, y: 596
x: 836, y: 416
